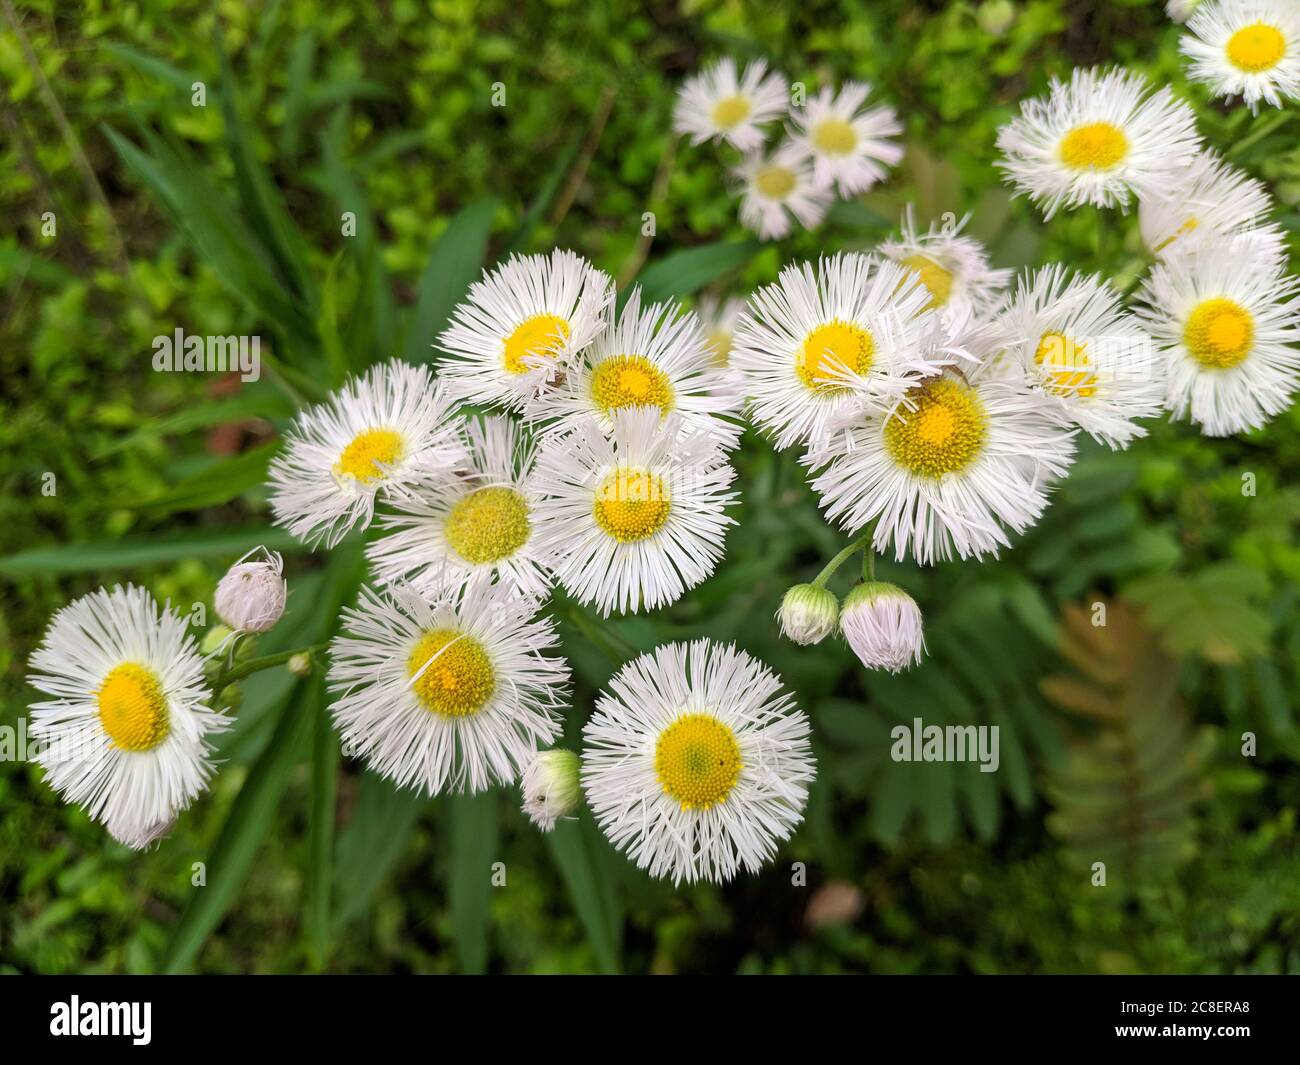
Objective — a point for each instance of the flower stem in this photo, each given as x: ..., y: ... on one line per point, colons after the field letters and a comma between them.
x: 255, y: 665
x: 835, y: 563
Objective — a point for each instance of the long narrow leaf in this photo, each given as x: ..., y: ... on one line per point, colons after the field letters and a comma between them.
x: 371, y: 843
x: 320, y: 836
x: 589, y: 887
x: 473, y: 843
x: 453, y: 265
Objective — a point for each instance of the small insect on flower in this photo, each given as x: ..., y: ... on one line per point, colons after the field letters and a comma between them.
x: 1071, y: 340
x: 954, y: 269
x: 1246, y: 48
x: 851, y: 147
x: 944, y: 472
x: 1226, y: 316
x: 478, y: 521
x: 808, y: 614
x: 376, y: 437
x: 883, y: 625
x: 520, y: 326
x: 126, y: 732
x: 777, y: 187
x: 1099, y: 139
x: 1211, y: 197
x: 822, y: 342
x: 718, y: 105
x: 447, y: 693
x: 719, y: 320
x: 696, y: 762
x: 629, y: 521
x: 251, y: 595
x: 657, y: 356
x: 551, y: 787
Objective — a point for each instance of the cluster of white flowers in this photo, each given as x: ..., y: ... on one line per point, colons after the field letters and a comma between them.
x: 605, y: 470
x: 834, y: 142
x: 936, y: 400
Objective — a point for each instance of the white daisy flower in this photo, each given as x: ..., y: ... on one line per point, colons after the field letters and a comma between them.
x: 819, y: 343
x: 633, y: 519
x: 883, y: 625
x: 777, y: 187
x: 948, y: 470
x: 653, y: 357
x: 1072, y: 341
x: 1227, y: 317
x: 475, y: 522
x: 696, y: 762
x: 520, y: 325
x: 954, y: 269
x: 450, y: 693
x: 716, y: 104
x: 851, y: 148
x: 1246, y: 48
x: 1210, y: 197
x: 126, y: 733
x: 377, y: 436
x: 1100, y: 139
x: 719, y: 320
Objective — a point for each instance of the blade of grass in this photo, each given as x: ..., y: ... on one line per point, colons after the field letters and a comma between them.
x: 135, y: 552
x: 320, y: 836
x: 684, y: 273
x: 454, y: 263
x: 590, y: 889
x: 473, y: 843
x: 370, y: 844
x: 219, y: 484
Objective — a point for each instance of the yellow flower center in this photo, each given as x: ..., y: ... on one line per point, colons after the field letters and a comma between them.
x: 630, y: 381
x: 942, y: 433
x: 834, y: 136
x: 936, y: 279
x: 1219, y: 333
x: 775, y: 182
x: 133, y: 708
x: 631, y: 505
x: 835, y: 346
x: 459, y: 678
x: 730, y: 112
x: 697, y: 760
x: 1094, y: 146
x: 1066, y: 364
x: 369, y: 453
x: 488, y: 524
x: 720, y: 342
x: 540, y: 336
x: 1256, y: 48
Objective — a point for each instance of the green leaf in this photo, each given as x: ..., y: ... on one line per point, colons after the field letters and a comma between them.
x: 218, y: 484
x: 250, y: 403
x: 320, y: 834
x: 135, y: 552
x: 576, y: 847
x: 453, y: 265
x: 1212, y: 613
x: 247, y: 823
x: 371, y: 843
x: 684, y: 273
x: 469, y: 888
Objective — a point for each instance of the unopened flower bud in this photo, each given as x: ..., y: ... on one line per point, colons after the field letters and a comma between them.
x: 550, y: 786
x: 250, y: 597
x: 808, y: 614
x: 882, y: 624
x: 300, y: 664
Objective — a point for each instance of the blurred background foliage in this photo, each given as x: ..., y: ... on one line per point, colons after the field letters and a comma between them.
x: 1121, y: 744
